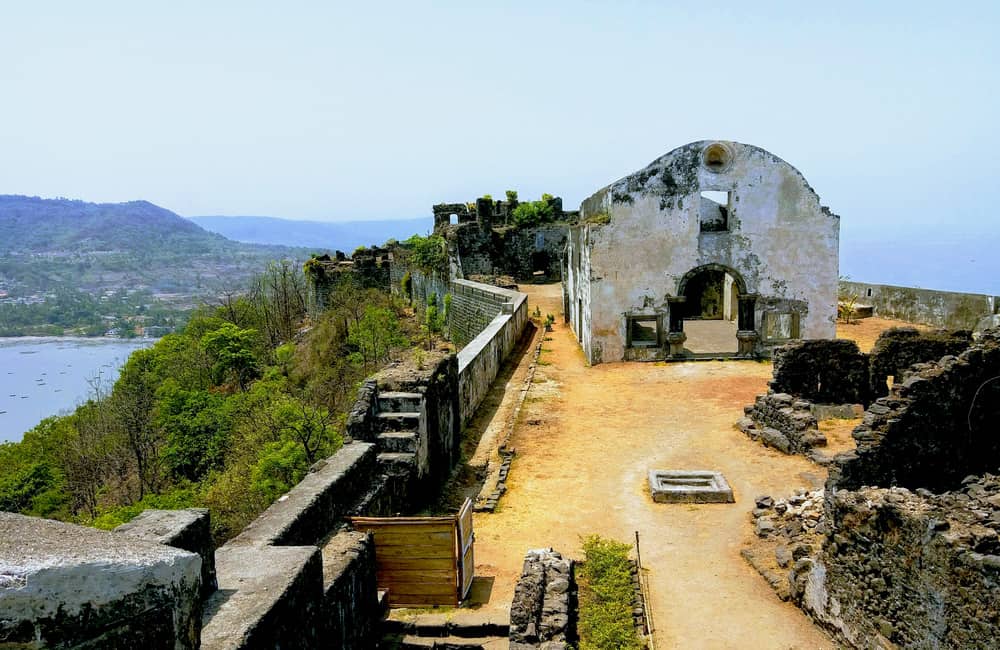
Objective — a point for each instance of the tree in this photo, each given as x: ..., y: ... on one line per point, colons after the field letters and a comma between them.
x: 232, y: 351
x: 376, y: 335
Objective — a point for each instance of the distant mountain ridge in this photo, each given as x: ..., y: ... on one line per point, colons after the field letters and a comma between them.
x: 33, y: 224
x: 316, y: 235
x: 47, y: 244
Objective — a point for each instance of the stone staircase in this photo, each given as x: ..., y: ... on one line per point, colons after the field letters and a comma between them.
x: 398, y: 423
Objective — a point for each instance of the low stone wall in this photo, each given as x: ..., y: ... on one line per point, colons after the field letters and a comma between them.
x: 276, y: 586
x: 783, y: 422
x: 350, y: 590
x: 925, y: 306
x: 542, y: 614
x: 474, y: 306
x: 480, y: 360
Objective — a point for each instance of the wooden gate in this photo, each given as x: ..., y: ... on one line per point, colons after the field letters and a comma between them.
x: 423, y: 561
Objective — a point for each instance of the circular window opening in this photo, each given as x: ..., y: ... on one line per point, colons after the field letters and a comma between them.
x: 717, y: 157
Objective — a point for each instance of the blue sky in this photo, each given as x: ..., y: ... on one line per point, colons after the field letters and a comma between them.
x: 329, y: 110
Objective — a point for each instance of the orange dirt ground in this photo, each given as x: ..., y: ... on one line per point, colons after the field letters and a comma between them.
x: 585, y: 440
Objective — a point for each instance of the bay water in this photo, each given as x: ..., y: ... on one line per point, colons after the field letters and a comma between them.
x: 44, y: 376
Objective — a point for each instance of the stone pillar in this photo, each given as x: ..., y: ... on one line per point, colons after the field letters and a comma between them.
x: 748, y: 302
x: 484, y: 212
x: 746, y: 334
x: 675, y: 327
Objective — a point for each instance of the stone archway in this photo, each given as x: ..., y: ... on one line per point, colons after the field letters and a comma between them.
x: 719, y: 311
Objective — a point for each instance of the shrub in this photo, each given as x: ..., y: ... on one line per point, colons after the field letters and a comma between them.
x: 606, y: 596
x: 511, y: 196
x: 429, y: 253
x: 532, y: 213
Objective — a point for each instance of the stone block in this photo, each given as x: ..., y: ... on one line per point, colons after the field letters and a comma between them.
x: 268, y: 597
x: 689, y: 486
x: 188, y: 529
x: 66, y: 586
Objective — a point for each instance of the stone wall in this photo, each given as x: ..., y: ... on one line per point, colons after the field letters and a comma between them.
x: 912, y: 570
x: 479, y: 362
x: 827, y: 371
x: 524, y: 252
x: 783, y: 422
x: 473, y: 308
x: 937, y: 426
x: 350, y: 590
x: 925, y: 306
x: 899, y: 348
x: 542, y: 614
x: 284, y: 579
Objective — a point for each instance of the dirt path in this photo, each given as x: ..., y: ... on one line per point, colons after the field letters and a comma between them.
x: 585, y: 442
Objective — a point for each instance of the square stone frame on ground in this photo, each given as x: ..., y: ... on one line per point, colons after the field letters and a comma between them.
x: 689, y: 486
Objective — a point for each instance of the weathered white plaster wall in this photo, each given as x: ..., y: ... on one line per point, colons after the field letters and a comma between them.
x: 780, y: 241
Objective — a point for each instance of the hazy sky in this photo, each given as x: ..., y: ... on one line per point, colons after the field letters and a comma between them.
x: 329, y: 110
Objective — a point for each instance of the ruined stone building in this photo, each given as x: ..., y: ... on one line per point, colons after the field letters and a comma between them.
x: 716, y: 240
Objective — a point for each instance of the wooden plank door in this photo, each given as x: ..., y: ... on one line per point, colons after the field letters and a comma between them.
x: 466, y: 558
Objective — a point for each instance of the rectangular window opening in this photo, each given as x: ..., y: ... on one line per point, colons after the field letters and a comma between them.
x: 643, y: 331
x: 714, y: 208
x: 780, y: 326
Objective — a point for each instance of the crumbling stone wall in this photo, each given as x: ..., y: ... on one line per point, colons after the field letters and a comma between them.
x: 783, y: 422
x: 543, y: 612
x: 900, y: 347
x: 827, y: 371
x: 916, y: 570
x: 937, y: 426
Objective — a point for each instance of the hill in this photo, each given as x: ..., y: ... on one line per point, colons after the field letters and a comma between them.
x: 110, y: 260
x: 317, y: 235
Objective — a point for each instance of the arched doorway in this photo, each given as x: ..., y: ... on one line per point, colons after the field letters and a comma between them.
x: 710, y: 309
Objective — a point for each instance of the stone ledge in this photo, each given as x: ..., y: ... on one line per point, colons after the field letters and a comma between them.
x: 268, y: 597
x: 63, y: 585
x: 188, y: 530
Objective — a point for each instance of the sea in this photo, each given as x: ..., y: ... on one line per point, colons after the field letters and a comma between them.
x: 45, y: 376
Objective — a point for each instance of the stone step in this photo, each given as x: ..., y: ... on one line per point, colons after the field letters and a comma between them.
x: 396, y: 402
x: 398, y: 441
x: 470, y: 624
x: 413, y: 642
x: 402, y: 421
x: 396, y: 462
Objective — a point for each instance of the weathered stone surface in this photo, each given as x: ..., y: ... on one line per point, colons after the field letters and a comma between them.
x: 899, y: 348
x: 642, y: 237
x: 269, y: 597
x: 350, y: 604
x: 927, y: 306
x: 689, y: 486
x: 189, y: 529
x: 68, y: 586
x: 936, y: 427
x: 541, y: 614
x: 824, y: 371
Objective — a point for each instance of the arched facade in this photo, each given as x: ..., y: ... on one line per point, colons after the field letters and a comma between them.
x: 705, y: 208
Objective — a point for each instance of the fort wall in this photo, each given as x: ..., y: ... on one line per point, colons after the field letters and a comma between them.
x: 948, y: 309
